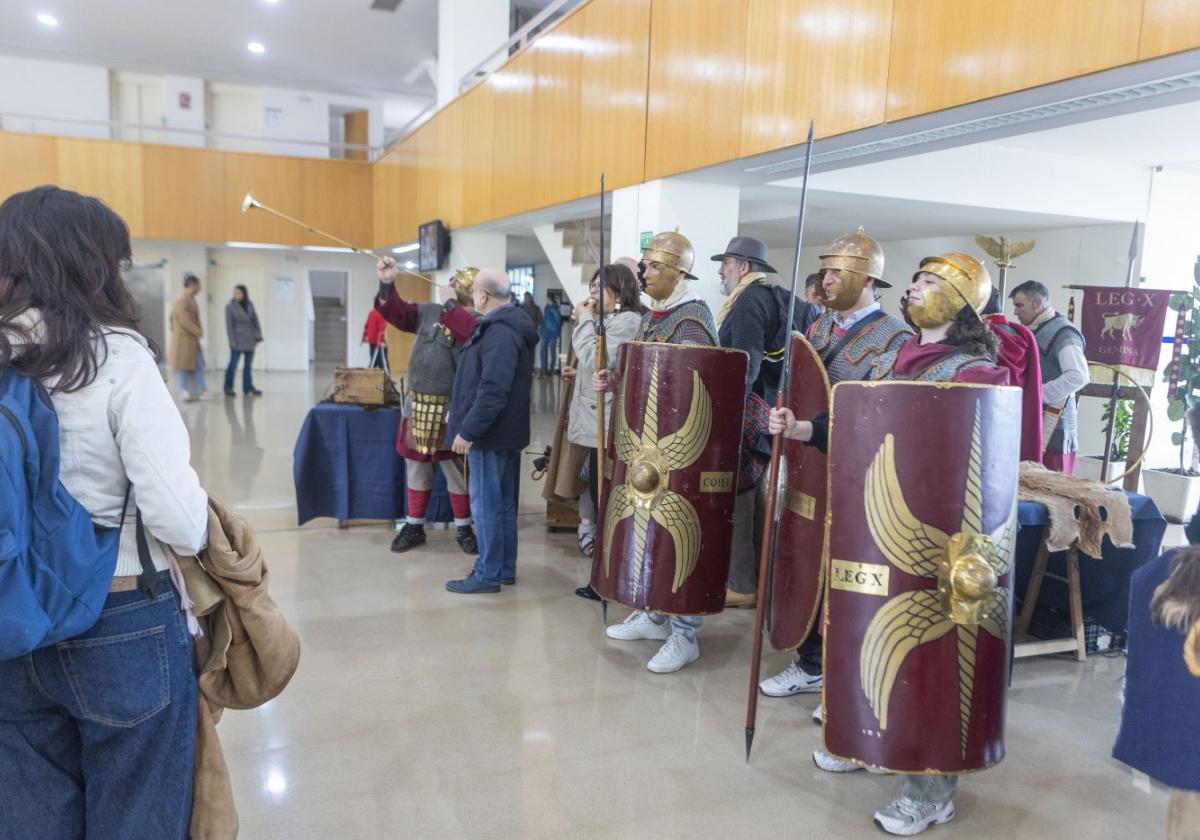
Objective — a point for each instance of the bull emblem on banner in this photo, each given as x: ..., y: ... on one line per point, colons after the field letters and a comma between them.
x: 1123, y: 323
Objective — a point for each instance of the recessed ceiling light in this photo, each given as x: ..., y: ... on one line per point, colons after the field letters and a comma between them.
x: 272, y: 2
x: 47, y: 20
x: 256, y: 47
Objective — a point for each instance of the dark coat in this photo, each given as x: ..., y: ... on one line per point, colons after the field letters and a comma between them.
x: 757, y: 324
x: 1160, y: 719
x: 242, y: 327
x: 490, y: 403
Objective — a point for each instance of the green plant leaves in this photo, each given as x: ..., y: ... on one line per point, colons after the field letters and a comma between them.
x: 1177, y: 409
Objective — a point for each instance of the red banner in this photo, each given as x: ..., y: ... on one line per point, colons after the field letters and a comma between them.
x: 1124, y: 328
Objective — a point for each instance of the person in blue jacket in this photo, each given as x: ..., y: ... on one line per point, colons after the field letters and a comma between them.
x: 488, y: 422
x: 1160, y: 720
x: 551, y: 332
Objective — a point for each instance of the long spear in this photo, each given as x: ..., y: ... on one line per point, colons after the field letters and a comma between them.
x: 1116, y: 384
x: 771, y: 531
x: 601, y: 364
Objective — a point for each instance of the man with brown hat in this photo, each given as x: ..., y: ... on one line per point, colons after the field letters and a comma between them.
x: 753, y: 320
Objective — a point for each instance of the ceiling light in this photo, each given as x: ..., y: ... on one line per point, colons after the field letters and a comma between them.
x: 327, y: 249
x: 410, y: 264
x: 270, y: 246
x: 256, y: 47
x: 405, y: 249
x: 272, y: 2
x: 47, y: 20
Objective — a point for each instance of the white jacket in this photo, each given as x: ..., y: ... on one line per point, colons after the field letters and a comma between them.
x: 124, y: 428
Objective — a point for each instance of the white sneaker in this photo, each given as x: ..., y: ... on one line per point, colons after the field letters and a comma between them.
x: 791, y: 681
x: 906, y: 817
x: 832, y: 764
x: 819, y: 715
x: 675, y: 654
x: 638, y: 625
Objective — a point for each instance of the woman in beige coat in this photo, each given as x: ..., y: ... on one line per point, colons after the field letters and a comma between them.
x: 184, y: 354
x: 622, y: 317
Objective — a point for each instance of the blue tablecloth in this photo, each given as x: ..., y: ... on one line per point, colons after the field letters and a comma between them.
x: 345, y: 466
x: 1104, y: 581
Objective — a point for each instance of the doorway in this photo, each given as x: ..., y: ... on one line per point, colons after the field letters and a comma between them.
x: 330, y: 324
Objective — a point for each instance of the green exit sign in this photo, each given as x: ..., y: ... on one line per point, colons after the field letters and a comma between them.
x: 647, y: 235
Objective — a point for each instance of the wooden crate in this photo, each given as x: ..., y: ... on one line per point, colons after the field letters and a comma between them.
x: 363, y: 386
x: 562, y: 515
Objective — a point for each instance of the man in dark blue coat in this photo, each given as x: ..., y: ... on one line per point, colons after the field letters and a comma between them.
x: 488, y: 422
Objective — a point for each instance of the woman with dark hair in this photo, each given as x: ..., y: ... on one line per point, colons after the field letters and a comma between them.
x: 953, y: 344
x: 244, y: 332
x: 622, y: 317
x: 97, y: 733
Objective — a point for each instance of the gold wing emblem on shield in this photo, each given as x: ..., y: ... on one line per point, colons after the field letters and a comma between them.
x: 649, y: 461
x: 966, y: 565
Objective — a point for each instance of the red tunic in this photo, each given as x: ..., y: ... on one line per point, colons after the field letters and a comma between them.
x: 1019, y: 353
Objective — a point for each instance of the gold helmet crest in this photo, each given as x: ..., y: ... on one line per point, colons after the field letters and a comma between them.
x: 673, y: 250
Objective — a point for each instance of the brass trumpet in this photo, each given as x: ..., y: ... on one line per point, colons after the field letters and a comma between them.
x: 251, y: 203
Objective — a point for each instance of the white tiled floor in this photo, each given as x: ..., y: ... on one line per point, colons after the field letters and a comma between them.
x: 421, y: 714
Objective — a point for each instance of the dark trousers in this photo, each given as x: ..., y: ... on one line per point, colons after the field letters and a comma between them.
x: 247, y: 380
x: 98, y: 733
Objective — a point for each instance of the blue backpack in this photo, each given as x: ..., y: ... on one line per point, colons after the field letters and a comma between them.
x: 55, y: 565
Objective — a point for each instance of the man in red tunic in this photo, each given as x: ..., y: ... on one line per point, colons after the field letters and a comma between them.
x: 441, y: 329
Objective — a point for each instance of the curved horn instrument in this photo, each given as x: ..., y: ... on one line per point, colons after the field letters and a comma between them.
x: 251, y: 203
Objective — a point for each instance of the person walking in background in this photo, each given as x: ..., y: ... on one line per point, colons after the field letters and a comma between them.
x: 97, y: 732
x: 244, y: 332
x: 550, y: 330
x: 489, y: 423
x: 184, y: 354
x: 531, y: 309
x: 375, y: 337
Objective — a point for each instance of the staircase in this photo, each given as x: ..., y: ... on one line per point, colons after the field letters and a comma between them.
x: 330, y: 330
x: 573, y: 249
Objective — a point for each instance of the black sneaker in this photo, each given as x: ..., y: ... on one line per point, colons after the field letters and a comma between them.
x: 586, y: 591
x: 410, y: 536
x: 466, y: 539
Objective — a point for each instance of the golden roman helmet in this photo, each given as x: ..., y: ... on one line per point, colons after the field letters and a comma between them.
x: 962, y: 281
x: 464, y: 281
x: 672, y: 250
x: 855, y: 257
x: 855, y: 252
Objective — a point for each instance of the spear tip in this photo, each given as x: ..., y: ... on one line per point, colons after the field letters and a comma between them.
x: 749, y: 741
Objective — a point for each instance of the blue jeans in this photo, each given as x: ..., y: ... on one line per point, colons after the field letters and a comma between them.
x: 98, y: 734
x: 495, y: 481
x: 549, y: 353
x: 196, y: 377
x: 247, y: 380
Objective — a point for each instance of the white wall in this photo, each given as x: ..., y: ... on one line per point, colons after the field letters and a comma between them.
x: 55, y: 89
x: 468, y: 30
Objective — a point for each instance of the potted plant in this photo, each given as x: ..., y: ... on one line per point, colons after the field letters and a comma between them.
x: 1088, y: 466
x: 1176, y: 489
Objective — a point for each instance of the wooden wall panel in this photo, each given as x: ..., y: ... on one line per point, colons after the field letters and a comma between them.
x: 336, y: 197
x: 616, y: 69
x: 697, y: 67
x: 392, y: 198
x: 512, y: 152
x: 275, y: 182
x: 26, y: 161
x: 478, y: 138
x: 185, y: 194
x: 440, y: 168
x: 110, y: 171
x: 950, y: 52
x: 820, y: 59
x: 557, y: 62
x: 1169, y: 26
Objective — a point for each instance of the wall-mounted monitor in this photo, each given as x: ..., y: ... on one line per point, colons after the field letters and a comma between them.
x: 434, y: 241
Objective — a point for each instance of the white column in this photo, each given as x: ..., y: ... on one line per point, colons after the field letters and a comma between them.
x: 468, y: 31
x: 707, y: 214
x: 467, y: 248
